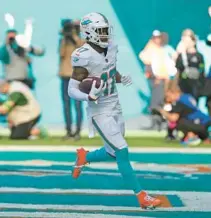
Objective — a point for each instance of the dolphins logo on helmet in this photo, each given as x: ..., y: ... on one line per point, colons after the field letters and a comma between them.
x: 96, y: 29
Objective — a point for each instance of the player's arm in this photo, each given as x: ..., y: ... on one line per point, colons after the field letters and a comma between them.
x: 80, y: 63
x: 79, y: 74
x: 118, y: 77
x: 125, y: 80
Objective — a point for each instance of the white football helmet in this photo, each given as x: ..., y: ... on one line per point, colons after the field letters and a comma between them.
x: 96, y: 29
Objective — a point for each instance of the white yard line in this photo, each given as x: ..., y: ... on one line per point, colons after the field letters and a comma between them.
x: 150, y: 167
x: 61, y: 215
x: 63, y: 148
x: 193, y: 201
x: 99, y: 208
x: 45, y: 163
x: 100, y: 191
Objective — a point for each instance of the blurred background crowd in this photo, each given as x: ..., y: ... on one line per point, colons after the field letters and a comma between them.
x: 178, y: 77
x: 19, y: 105
x: 177, y: 70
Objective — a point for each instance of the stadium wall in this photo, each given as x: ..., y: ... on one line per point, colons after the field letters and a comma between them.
x: 133, y: 23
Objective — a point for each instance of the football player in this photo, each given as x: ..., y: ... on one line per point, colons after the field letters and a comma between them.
x: 97, y: 58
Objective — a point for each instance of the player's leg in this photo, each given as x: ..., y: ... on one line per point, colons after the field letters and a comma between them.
x: 111, y: 130
x: 106, y: 153
x: 84, y: 157
x: 99, y: 155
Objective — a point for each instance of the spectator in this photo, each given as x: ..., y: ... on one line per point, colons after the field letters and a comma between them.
x: 158, y: 58
x: 187, y: 37
x: 187, y: 116
x: 69, y: 42
x: 206, y: 91
x: 22, y: 108
x: 15, y: 58
x: 190, y: 65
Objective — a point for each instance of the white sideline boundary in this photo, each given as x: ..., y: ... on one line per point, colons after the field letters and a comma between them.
x: 61, y: 215
x: 69, y: 148
x: 97, y: 208
x: 100, y: 191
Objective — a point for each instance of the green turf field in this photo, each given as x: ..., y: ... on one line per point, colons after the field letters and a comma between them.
x: 132, y: 142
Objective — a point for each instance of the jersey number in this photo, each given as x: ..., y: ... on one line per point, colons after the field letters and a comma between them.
x: 110, y: 79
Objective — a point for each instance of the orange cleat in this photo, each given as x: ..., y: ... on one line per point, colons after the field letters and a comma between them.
x: 80, y: 162
x: 148, y: 202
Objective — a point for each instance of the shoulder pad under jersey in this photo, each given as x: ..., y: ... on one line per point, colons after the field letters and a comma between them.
x: 113, y: 47
x: 80, y: 57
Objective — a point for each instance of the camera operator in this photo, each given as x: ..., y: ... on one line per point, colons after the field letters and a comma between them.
x: 187, y: 116
x: 70, y: 40
x: 22, y: 108
x: 206, y: 91
x: 16, y: 59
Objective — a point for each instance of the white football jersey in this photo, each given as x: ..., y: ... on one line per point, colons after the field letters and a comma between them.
x: 104, y: 67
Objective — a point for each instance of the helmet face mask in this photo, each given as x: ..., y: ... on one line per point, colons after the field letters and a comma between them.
x: 96, y: 29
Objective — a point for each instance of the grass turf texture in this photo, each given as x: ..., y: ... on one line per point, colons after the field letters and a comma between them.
x: 132, y: 142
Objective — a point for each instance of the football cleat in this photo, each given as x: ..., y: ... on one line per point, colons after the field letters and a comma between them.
x: 148, y: 202
x: 80, y: 162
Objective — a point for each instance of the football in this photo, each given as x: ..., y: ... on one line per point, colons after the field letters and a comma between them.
x: 86, y: 85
